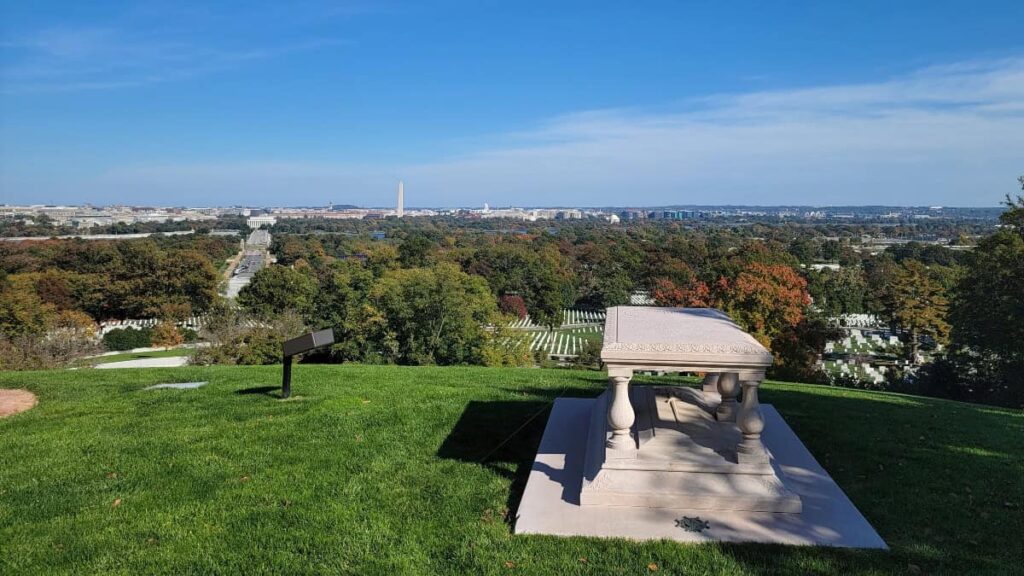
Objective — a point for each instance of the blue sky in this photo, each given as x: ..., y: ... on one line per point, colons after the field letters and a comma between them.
x: 511, y: 103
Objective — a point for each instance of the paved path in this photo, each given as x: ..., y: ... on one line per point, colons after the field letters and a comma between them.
x: 14, y: 401
x: 168, y: 362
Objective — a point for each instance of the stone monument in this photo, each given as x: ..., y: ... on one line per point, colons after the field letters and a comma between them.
x: 669, y: 447
x: 690, y: 464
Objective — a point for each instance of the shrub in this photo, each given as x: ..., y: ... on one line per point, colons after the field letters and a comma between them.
x: 120, y: 339
x: 166, y: 335
x: 236, y: 338
x: 70, y: 335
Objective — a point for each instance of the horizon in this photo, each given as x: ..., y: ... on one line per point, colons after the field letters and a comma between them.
x: 227, y: 104
x: 512, y: 206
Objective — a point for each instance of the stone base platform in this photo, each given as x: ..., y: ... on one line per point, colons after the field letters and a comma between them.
x: 683, y: 455
x: 551, y: 501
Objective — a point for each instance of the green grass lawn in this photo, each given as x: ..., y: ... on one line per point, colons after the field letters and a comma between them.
x: 391, y: 470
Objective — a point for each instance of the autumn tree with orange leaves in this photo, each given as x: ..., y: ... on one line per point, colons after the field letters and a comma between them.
x: 766, y: 299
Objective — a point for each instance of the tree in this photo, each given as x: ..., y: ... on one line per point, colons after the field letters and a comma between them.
x: 166, y: 335
x: 436, y: 315
x: 513, y: 305
x: 22, y: 312
x: 538, y: 275
x: 275, y: 289
x: 838, y: 292
x: 694, y: 294
x: 416, y: 251
x: 341, y: 303
x: 70, y: 335
x: 987, y: 313
x: 186, y: 282
x: 236, y: 339
x: 765, y: 299
x: 916, y: 305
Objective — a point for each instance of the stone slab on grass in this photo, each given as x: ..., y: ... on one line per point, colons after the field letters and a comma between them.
x: 550, y: 503
x: 176, y: 386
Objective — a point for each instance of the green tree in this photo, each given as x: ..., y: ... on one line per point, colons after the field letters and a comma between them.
x: 341, y: 303
x: 275, y: 289
x: 22, y: 312
x: 837, y: 292
x: 916, y: 305
x: 416, y: 251
x: 538, y: 275
x: 987, y: 313
x: 436, y: 315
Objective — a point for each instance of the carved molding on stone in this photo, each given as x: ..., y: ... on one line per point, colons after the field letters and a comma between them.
x: 685, y: 348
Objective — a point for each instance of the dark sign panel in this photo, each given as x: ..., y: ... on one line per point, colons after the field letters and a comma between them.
x: 303, y: 343
x: 307, y: 342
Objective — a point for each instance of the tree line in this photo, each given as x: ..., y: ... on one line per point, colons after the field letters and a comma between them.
x: 442, y: 290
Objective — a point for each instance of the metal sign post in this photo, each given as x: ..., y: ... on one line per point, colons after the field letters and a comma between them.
x: 303, y: 343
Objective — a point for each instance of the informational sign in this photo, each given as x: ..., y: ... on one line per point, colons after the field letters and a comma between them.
x: 303, y: 343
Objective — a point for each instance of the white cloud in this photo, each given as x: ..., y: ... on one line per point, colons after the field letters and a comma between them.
x: 65, y: 59
x: 951, y: 135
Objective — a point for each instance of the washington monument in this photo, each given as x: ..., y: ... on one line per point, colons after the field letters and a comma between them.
x: 401, y: 199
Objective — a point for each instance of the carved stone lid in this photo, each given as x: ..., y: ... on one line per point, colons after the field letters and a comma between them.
x: 702, y: 336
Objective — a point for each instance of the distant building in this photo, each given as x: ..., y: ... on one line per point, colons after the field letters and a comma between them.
x: 401, y: 199
x: 261, y: 221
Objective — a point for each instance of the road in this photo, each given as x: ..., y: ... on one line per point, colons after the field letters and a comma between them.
x: 253, y: 257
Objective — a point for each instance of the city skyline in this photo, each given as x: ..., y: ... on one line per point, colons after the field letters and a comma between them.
x: 665, y: 105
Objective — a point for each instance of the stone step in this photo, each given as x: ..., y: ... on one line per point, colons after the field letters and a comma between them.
x: 689, y: 490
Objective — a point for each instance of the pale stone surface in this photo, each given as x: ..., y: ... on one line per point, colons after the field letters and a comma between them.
x: 550, y: 503
x: 700, y: 447
x: 684, y: 455
x: 687, y: 339
x: 166, y: 362
x: 177, y: 386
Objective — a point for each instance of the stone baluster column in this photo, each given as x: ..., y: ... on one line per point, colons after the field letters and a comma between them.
x: 620, y: 411
x: 710, y: 383
x: 751, y: 450
x: 728, y: 388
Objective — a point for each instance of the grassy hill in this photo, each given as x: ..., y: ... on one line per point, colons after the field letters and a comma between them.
x: 414, y: 470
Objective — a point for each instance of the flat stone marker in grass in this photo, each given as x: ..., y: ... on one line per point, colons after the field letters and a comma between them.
x: 176, y: 386
x: 14, y: 401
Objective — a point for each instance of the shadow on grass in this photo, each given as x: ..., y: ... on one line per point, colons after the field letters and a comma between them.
x: 503, y: 437
x: 271, y: 391
x: 934, y: 506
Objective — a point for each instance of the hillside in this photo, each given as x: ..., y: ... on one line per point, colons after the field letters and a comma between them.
x: 413, y: 470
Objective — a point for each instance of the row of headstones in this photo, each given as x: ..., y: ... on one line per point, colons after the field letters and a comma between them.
x: 858, y: 342
x: 557, y: 343
x: 862, y: 369
x: 570, y: 317
x: 858, y: 320
x: 192, y: 323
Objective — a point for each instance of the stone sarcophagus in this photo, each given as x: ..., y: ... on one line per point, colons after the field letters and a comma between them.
x: 676, y: 447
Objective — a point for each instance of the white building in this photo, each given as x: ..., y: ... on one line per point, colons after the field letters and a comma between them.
x: 261, y: 221
x: 401, y: 199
